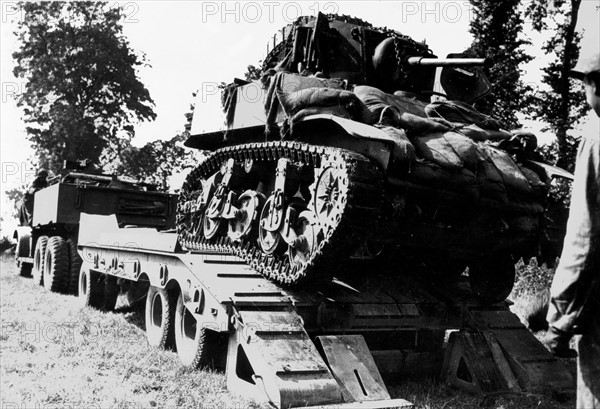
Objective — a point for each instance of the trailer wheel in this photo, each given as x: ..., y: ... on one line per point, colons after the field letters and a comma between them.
x: 90, y: 291
x: 74, y: 267
x: 110, y: 293
x: 197, y: 346
x: 38, y: 260
x: 160, y: 317
x: 56, y: 265
x: 492, y: 280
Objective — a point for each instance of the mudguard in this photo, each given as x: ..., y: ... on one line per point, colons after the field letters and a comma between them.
x: 22, y: 235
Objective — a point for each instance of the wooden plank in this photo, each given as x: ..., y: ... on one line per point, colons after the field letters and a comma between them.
x: 535, y: 367
x: 282, y: 321
x: 502, y: 319
x: 380, y: 404
x: 353, y: 367
x: 502, y: 363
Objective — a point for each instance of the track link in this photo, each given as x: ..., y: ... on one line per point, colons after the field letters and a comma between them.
x: 341, y: 204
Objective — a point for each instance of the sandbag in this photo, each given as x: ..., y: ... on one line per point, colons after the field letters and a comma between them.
x: 332, y: 110
x: 481, y: 135
x: 319, y: 97
x: 403, y: 151
x: 492, y: 183
x: 509, y: 171
x: 457, y: 111
x: 431, y: 175
x: 288, y: 83
x: 467, y: 150
x: 436, y: 148
x: 375, y: 100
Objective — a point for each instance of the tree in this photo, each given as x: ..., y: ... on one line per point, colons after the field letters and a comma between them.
x: 156, y: 161
x: 82, y: 94
x: 15, y: 196
x: 563, y: 105
x: 496, y: 26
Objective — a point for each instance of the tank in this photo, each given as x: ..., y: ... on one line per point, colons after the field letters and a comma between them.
x: 348, y: 150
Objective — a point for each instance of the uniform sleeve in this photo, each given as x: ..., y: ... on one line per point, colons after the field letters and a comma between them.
x: 579, y: 263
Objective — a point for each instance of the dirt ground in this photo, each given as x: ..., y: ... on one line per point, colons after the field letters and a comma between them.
x: 54, y: 354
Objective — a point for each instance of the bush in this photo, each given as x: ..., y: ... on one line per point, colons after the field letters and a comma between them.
x: 531, y: 293
x: 6, y: 244
x: 531, y: 278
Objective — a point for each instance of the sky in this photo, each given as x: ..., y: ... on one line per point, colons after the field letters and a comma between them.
x: 195, y: 45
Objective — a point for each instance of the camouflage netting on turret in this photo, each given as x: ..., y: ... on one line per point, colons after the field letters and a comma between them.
x: 445, y: 144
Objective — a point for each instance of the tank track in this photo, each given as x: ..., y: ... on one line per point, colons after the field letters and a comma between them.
x: 340, y: 203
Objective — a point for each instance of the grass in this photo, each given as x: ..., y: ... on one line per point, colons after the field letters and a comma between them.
x: 53, y: 354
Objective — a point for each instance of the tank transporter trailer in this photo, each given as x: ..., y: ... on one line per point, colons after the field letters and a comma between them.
x: 323, y: 243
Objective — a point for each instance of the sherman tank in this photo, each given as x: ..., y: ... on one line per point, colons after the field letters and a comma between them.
x: 346, y: 149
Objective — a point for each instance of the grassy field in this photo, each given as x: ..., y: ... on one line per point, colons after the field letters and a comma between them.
x: 55, y: 355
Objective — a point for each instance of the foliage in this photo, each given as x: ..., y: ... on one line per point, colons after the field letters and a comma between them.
x: 531, y: 278
x: 496, y: 26
x: 83, y: 96
x: 15, y: 196
x: 563, y: 105
x: 253, y: 73
x: 156, y: 161
x: 6, y: 244
x: 560, y: 189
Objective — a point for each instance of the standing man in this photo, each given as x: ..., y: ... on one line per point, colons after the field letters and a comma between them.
x: 26, y: 210
x: 575, y: 291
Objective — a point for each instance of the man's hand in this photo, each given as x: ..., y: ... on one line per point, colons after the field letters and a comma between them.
x: 558, y: 342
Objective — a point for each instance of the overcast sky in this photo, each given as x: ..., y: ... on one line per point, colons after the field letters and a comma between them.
x: 194, y: 45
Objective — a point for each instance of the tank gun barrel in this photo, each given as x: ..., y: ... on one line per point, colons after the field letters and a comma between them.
x: 447, y: 62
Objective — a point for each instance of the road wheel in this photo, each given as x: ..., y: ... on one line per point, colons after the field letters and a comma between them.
x: 38, y: 260
x: 197, y: 346
x: 74, y: 266
x: 160, y: 317
x: 56, y: 265
x: 111, y: 293
x: 492, y: 280
x: 91, y: 289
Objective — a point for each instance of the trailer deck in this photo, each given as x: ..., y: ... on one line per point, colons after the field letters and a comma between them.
x: 329, y: 344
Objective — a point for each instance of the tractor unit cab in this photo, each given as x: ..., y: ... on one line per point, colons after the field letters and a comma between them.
x: 347, y: 146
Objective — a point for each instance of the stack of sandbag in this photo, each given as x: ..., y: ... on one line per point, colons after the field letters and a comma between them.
x: 448, y: 138
x: 446, y: 144
x: 472, y: 123
x: 288, y: 86
x: 314, y: 100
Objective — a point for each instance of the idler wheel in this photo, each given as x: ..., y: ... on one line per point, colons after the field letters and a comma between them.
x: 249, y: 205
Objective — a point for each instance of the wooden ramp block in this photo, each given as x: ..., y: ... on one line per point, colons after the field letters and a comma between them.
x: 535, y: 367
x: 474, y: 362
